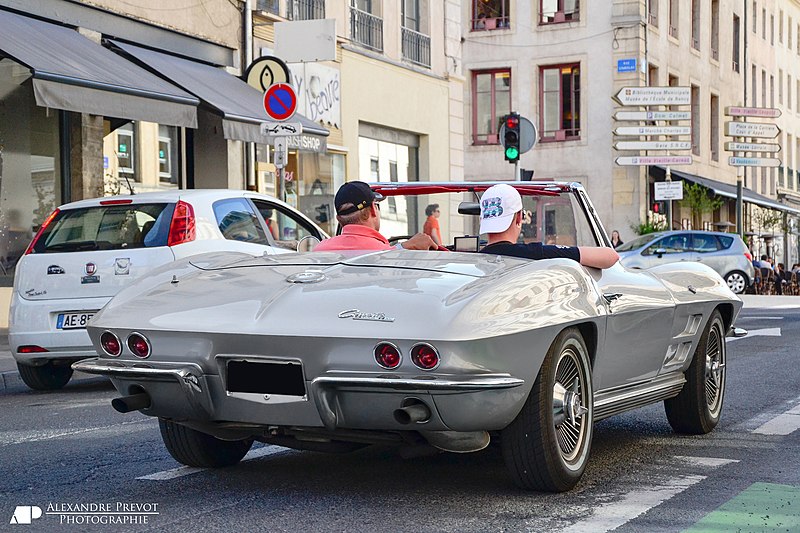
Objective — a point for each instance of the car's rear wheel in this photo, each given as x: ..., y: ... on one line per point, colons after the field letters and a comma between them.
x: 195, y: 448
x: 547, y: 446
x: 697, y: 409
x: 49, y: 376
x: 737, y: 281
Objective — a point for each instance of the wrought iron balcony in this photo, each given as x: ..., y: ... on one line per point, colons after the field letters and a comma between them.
x: 416, y: 47
x: 270, y: 6
x: 366, y: 29
x: 305, y: 9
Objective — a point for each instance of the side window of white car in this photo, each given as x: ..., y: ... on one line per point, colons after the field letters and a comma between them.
x: 238, y: 222
x: 285, y: 227
x: 704, y: 243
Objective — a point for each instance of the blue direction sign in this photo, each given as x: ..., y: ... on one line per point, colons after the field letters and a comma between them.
x: 280, y: 101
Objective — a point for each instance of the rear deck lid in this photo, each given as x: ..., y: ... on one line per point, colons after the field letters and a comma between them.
x: 95, y: 251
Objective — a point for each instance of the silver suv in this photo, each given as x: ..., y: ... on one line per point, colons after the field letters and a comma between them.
x: 724, y: 252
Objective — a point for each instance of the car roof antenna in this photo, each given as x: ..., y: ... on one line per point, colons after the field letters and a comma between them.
x: 128, y: 183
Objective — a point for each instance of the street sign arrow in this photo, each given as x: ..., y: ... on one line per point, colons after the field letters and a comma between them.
x: 654, y: 96
x: 653, y: 145
x: 654, y: 160
x: 653, y: 115
x: 281, y: 128
x: 754, y: 162
x: 765, y: 112
x: 653, y: 130
x: 751, y: 129
x: 752, y: 147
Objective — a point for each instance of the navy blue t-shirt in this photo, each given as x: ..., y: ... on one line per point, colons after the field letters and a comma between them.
x: 534, y: 250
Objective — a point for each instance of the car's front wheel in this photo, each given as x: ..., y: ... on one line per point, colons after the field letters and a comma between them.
x: 737, y: 281
x: 195, y: 448
x: 697, y: 409
x: 547, y: 446
x: 49, y: 376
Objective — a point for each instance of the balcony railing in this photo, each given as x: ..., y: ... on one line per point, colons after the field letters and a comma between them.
x: 366, y: 29
x: 416, y: 47
x: 305, y: 9
x: 270, y: 6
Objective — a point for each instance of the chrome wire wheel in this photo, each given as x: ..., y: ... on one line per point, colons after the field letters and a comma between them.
x: 569, y: 405
x: 714, y: 371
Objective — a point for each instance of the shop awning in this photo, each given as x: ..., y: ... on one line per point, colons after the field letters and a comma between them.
x: 727, y: 190
x: 240, y: 105
x: 72, y: 73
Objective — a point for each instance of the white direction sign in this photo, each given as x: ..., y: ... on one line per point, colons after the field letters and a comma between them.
x: 751, y: 129
x: 766, y: 112
x: 654, y: 160
x: 653, y: 130
x: 653, y: 115
x: 669, y: 190
x: 282, y: 129
x: 754, y: 162
x: 752, y: 147
x: 653, y: 145
x: 654, y: 96
x: 281, y: 153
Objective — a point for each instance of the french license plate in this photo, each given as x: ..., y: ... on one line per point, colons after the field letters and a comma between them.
x: 74, y: 320
x: 266, y: 377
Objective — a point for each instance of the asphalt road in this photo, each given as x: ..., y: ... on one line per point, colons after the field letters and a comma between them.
x: 69, y: 448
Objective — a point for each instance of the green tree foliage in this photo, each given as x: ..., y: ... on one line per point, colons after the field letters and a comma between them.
x: 699, y: 200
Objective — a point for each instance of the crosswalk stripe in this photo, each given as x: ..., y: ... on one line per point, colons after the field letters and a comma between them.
x: 783, y: 424
x: 181, y: 471
x: 706, y: 461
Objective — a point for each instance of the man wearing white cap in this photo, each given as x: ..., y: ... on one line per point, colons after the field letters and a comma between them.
x: 501, y: 220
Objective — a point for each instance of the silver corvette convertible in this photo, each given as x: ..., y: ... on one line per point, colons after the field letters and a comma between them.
x: 440, y: 350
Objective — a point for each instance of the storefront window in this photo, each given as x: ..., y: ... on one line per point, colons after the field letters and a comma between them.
x: 140, y: 157
x: 30, y: 173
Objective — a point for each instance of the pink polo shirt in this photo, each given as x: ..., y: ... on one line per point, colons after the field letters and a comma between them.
x: 355, y: 237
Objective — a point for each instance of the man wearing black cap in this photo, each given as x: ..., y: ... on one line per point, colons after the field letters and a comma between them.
x: 359, y: 215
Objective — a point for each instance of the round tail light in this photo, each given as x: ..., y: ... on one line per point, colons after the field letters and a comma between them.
x: 425, y: 356
x: 138, y: 345
x: 110, y: 344
x: 387, y: 355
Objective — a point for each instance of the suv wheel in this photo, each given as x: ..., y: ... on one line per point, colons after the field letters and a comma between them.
x: 737, y: 281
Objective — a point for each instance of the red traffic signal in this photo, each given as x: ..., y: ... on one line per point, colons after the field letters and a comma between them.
x: 512, y: 121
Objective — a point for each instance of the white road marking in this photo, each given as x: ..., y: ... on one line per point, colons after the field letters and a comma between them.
x: 761, y: 419
x: 712, y: 462
x: 181, y: 471
x: 783, y: 424
x: 8, y: 438
x: 612, y: 515
x: 765, y: 332
x: 756, y: 317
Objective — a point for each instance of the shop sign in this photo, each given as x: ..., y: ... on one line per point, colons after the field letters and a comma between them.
x: 319, y: 92
x: 308, y: 143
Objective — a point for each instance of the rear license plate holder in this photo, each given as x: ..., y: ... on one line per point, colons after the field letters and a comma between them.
x: 266, y: 377
x: 74, y: 320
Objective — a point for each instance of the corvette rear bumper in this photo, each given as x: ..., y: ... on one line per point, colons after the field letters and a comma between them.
x: 339, y: 399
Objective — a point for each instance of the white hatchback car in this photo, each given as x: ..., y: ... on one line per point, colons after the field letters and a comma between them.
x: 87, y: 251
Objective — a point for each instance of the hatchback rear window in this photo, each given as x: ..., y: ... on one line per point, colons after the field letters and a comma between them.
x: 726, y: 241
x: 112, y: 227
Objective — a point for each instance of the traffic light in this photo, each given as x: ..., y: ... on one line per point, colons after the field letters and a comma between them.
x: 511, y: 137
x: 659, y: 207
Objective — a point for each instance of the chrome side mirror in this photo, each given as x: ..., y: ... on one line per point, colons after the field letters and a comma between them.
x: 737, y: 332
x: 307, y: 244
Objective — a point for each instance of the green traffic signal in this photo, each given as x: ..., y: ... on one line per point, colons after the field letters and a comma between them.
x: 512, y: 153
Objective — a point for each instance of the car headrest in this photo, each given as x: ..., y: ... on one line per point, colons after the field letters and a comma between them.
x: 469, y: 208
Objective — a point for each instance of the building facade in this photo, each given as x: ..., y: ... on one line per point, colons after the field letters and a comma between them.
x: 560, y: 63
x: 392, y: 100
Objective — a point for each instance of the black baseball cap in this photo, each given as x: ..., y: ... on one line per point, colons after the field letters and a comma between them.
x: 356, y: 193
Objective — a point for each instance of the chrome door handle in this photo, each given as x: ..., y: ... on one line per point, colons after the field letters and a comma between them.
x: 611, y: 296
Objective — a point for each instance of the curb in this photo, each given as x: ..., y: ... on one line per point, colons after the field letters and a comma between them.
x: 9, y: 380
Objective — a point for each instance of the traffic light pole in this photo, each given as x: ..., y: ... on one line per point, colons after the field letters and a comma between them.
x: 668, y: 179
x: 516, y: 171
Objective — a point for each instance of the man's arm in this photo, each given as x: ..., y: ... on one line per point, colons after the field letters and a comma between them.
x: 420, y: 241
x: 598, y: 257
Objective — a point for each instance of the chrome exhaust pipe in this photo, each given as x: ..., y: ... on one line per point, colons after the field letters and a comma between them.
x: 410, y: 414
x: 134, y: 402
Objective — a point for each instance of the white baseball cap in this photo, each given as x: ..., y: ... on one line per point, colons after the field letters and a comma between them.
x: 499, y: 204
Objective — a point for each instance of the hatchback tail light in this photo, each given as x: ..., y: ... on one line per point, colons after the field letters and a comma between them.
x: 182, y: 227
x: 748, y: 256
x: 46, y: 223
x: 387, y: 355
x: 424, y: 356
x: 139, y: 345
x: 111, y: 344
x: 31, y: 348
